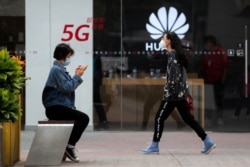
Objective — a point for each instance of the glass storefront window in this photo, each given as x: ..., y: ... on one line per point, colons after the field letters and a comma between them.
x: 126, y: 37
x: 127, y: 43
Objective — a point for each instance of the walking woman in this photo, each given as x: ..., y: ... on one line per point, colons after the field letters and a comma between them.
x: 175, y: 95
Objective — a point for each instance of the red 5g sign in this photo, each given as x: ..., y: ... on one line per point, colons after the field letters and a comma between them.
x: 79, y: 33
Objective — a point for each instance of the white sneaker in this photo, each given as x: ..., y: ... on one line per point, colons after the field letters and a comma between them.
x: 220, y: 121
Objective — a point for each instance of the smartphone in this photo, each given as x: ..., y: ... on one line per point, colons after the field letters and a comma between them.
x: 85, y: 67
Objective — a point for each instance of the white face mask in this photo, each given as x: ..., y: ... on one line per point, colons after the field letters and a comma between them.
x: 162, y: 44
x: 66, y: 62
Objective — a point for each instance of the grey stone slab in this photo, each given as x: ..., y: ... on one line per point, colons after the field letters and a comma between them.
x: 48, y: 145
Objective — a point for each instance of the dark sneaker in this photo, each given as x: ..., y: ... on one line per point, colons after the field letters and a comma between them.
x: 70, y: 153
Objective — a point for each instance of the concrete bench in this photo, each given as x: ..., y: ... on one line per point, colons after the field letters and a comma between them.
x: 49, y: 143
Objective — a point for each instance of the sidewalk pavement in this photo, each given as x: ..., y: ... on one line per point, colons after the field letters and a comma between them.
x: 177, y: 149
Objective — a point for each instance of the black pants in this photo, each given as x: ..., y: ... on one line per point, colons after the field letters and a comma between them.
x: 81, y: 119
x: 165, y: 109
x: 155, y: 95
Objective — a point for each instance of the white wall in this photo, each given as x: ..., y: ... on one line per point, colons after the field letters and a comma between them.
x: 45, y: 23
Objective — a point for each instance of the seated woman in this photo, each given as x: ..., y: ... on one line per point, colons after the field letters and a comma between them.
x: 59, y: 96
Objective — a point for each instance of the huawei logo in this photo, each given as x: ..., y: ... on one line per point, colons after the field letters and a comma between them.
x: 167, y: 21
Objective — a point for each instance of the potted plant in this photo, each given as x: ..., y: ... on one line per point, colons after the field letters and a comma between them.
x: 12, y: 79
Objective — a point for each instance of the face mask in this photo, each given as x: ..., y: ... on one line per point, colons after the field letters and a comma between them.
x: 66, y: 62
x: 162, y: 44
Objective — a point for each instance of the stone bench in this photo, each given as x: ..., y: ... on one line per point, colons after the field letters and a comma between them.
x: 49, y: 143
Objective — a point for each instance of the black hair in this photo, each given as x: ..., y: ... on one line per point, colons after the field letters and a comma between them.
x: 177, y: 45
x: 62, y: 50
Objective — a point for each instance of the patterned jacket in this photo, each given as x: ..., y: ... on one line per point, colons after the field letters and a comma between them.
x: 176, y: 87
